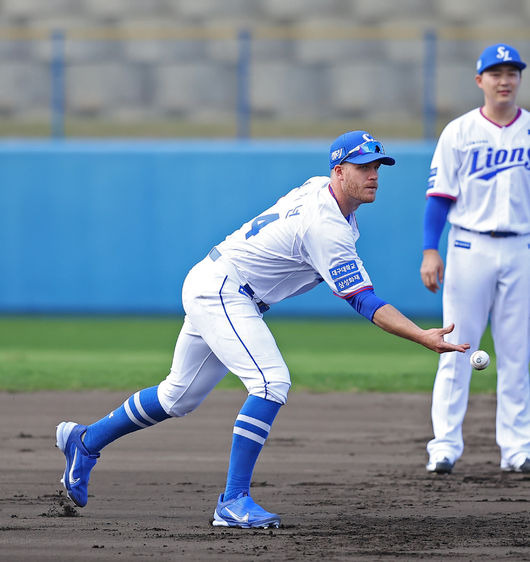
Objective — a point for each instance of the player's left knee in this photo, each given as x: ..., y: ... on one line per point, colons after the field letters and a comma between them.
x: 276, y: 391
x: 175, y: 402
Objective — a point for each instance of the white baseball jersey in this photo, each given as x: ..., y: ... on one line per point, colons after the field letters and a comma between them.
x: 300, y: 241
x: 485, y: 169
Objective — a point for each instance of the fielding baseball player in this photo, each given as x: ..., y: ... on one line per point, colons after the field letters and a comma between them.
x: 480, y: 181
x: 306, y: 238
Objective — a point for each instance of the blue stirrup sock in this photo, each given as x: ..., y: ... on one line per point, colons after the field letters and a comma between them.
x: 251, y: 429
x: 140, y: 410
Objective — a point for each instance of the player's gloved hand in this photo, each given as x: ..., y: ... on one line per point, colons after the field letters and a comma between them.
x: 434, y: 339
x: 432, y: 270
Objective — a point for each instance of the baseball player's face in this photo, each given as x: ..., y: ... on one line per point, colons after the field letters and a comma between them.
x: 359, y: 181
x: 500, y: 84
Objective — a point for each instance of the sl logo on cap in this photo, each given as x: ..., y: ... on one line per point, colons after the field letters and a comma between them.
x: 504, y: 54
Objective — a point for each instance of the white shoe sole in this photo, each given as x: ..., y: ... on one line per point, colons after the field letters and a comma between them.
x: 220, y: 522
x: 62, y: 433
x: 431, y: 467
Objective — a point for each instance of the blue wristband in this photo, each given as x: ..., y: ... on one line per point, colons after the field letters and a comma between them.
x: 366, y: 303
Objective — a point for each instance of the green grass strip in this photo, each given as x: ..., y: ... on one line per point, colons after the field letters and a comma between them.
x: 127, y: 353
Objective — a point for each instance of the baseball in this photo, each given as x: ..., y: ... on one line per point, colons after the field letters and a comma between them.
x: 479, y: 360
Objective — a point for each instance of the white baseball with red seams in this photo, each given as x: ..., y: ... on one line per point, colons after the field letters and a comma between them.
x: 479, y: 360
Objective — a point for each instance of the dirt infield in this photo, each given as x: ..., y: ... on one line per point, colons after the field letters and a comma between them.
x: 345, y: 471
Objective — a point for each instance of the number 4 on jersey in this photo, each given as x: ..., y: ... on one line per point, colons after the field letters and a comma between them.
x: 259, y: 222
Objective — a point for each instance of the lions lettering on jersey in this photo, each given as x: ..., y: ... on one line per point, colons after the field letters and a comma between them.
x: 486, y: 164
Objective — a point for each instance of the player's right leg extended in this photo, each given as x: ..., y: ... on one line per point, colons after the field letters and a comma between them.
x: 81, y: 444
x: 195, y: 371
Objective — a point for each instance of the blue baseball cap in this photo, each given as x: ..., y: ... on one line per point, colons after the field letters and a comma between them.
x: 499, y: 54
x: 357, y: 147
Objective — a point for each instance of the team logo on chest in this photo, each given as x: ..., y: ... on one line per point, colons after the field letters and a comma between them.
x: 487, y: 162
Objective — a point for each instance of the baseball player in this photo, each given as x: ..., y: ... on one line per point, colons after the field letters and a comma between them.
x: 480, y: 182
x: 306, y: 238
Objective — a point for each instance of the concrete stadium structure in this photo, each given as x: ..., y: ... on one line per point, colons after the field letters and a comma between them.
x: 309, y: 61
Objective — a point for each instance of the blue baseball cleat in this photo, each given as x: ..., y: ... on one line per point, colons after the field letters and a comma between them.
x: 243, y: 512
x: 79, y: 462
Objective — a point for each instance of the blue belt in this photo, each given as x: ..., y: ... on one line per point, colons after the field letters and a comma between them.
x: 492, y: 233
x: 214, y: 254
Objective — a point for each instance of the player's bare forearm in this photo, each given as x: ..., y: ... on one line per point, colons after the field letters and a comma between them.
x: 389, y: 318
x: 432, y: 269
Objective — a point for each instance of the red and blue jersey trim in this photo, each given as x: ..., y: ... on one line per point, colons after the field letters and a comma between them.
x: 353, y: 293
x: 517, y: 115
x: 441, y: 195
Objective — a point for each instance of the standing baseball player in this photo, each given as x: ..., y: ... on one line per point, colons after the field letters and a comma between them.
x: 307, y: 237
x: 480, y: 182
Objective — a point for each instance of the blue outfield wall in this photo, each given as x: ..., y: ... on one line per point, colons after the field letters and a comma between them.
x: 113, y: 226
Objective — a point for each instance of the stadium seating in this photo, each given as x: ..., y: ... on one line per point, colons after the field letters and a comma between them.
x: 308, y: 59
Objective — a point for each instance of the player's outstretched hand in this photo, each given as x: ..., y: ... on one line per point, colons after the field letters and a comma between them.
x: 392, y: 321
x: 434, y: 339
x: 432, y: 270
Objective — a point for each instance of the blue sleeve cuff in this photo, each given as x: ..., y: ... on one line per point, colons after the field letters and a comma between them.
x: 434, y: 219
x: 366, y: 303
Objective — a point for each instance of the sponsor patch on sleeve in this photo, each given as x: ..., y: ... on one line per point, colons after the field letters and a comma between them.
x: 350, y: 281
x: 432, y: 177
x: 343, y: 269
x: 346, y: 275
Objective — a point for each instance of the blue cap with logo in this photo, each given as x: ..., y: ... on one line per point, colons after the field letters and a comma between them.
x: 499, y: 54
x: 357, y: 147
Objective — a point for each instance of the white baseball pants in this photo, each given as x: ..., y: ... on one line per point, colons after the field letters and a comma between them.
x: 223, y: 331
x: 485, y: 278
